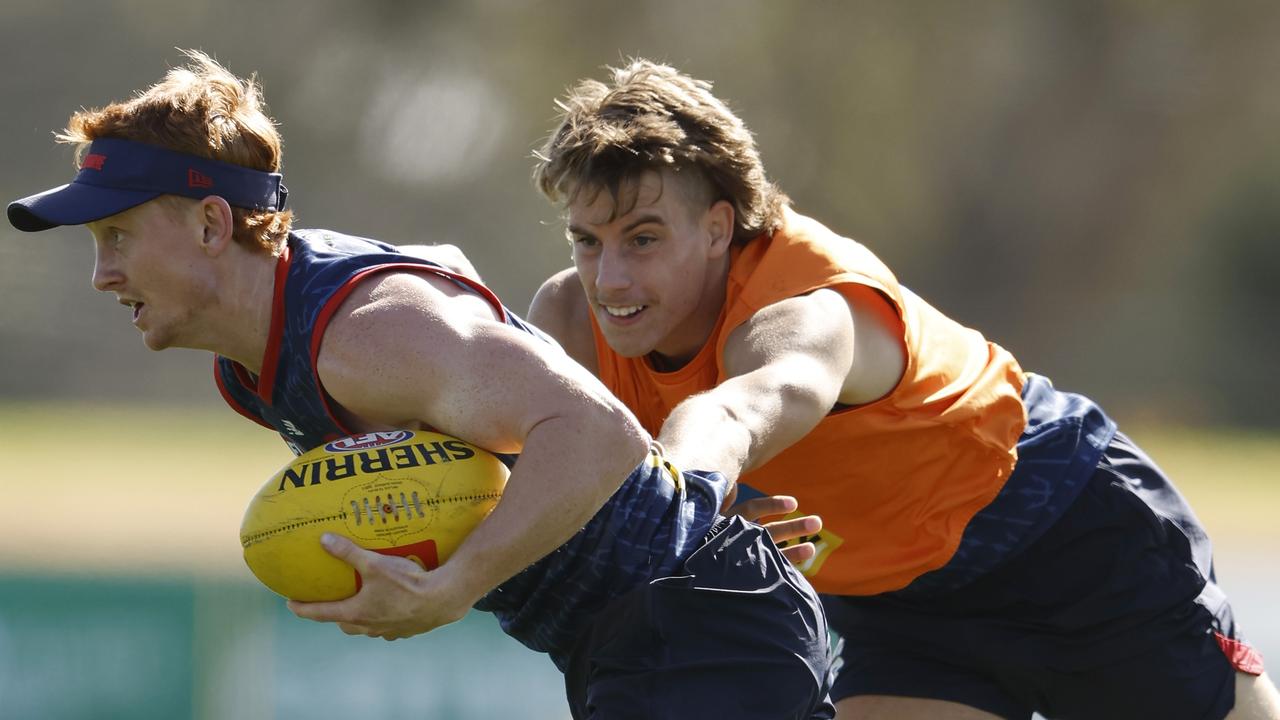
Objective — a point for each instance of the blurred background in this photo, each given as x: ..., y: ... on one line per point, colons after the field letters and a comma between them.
x: 1095, y: 185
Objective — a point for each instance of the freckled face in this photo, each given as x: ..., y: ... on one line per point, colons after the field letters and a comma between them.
x: 654, y: 276
x: 150, y: 257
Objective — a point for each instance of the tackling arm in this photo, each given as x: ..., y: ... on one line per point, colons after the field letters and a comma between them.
x: 786, y: 369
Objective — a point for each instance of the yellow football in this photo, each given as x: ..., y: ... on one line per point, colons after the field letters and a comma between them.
x: 414, y: 494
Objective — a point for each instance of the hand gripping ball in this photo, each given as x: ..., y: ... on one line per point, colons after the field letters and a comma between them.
x: 415, y: 494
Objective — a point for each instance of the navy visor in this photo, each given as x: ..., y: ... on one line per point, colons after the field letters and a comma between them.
x: 117, y: 174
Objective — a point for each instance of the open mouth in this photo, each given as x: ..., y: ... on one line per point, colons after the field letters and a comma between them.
x: 623, y: 312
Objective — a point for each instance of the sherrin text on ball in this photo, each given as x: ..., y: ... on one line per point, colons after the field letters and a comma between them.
x: 415, y: 494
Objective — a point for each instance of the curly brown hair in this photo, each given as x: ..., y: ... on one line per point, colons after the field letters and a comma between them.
x: 201, y: 109
x: 654, y: 117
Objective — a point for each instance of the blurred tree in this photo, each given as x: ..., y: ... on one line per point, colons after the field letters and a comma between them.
x: 1081, y: 181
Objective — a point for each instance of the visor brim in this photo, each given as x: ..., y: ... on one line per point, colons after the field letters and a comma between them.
x: 73, y: 204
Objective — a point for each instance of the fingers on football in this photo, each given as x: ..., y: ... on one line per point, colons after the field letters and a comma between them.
x: 345, y: 550
x: 320, y: 611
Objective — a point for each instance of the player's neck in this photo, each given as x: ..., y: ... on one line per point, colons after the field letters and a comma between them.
x: 240, y: 325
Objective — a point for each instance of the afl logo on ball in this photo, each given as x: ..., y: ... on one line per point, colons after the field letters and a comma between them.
x: 368, y: 440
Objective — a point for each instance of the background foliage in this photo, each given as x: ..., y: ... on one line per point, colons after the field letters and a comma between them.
x: 1093, y: 184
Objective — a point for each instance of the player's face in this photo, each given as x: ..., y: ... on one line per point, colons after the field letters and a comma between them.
x: 150, y: 257
x: 654, y: 277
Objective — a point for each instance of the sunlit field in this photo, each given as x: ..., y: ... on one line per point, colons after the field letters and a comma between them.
x: 118, y: 539
x: 104, y: 490
x: 123, y: 593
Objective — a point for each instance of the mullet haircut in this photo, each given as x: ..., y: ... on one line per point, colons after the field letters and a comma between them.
x: 652, y: 118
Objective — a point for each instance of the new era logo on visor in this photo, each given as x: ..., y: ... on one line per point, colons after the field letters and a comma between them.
x: 197, y: 179
x: 93, y: 161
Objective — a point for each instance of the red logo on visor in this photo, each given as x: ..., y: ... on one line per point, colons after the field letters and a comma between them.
x: 198, y: 179
x: 93, y: 161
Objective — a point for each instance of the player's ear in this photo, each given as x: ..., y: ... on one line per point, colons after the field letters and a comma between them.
x: 218, y: 225
x: 718, y: 223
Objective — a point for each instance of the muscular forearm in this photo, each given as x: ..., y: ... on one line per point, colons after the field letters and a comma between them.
x: 743, y: 423
x: 785, y: 369
x: 702, y: 433
x: 566, y: 472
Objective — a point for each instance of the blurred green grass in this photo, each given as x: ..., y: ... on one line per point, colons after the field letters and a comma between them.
x: 1230, y: 477
x: 109, y: 489
x: 161, y: 489
x: 149, y: 439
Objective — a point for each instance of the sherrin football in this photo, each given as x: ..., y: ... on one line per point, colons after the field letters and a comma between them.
x: 415, y: 494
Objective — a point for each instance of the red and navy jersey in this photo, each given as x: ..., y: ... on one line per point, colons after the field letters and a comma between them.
x: 316, y: 272
x: 654, y: 521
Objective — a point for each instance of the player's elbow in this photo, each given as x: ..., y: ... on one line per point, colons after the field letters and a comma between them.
x: 632, y: 440
x: 620, y: 442
x: 598, y: 434
x: 809, y: 399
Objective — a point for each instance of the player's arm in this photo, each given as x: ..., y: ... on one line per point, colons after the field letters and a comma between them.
x: 787, y: 367
x: 408, y: 351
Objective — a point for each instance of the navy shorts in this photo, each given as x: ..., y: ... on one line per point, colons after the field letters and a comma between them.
x: 1112, y: 612
x: 739, y: 634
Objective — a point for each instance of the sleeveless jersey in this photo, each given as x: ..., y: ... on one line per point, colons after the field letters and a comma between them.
x: 898, y: 480
x: 316, y: 272
x: 650, y: 525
